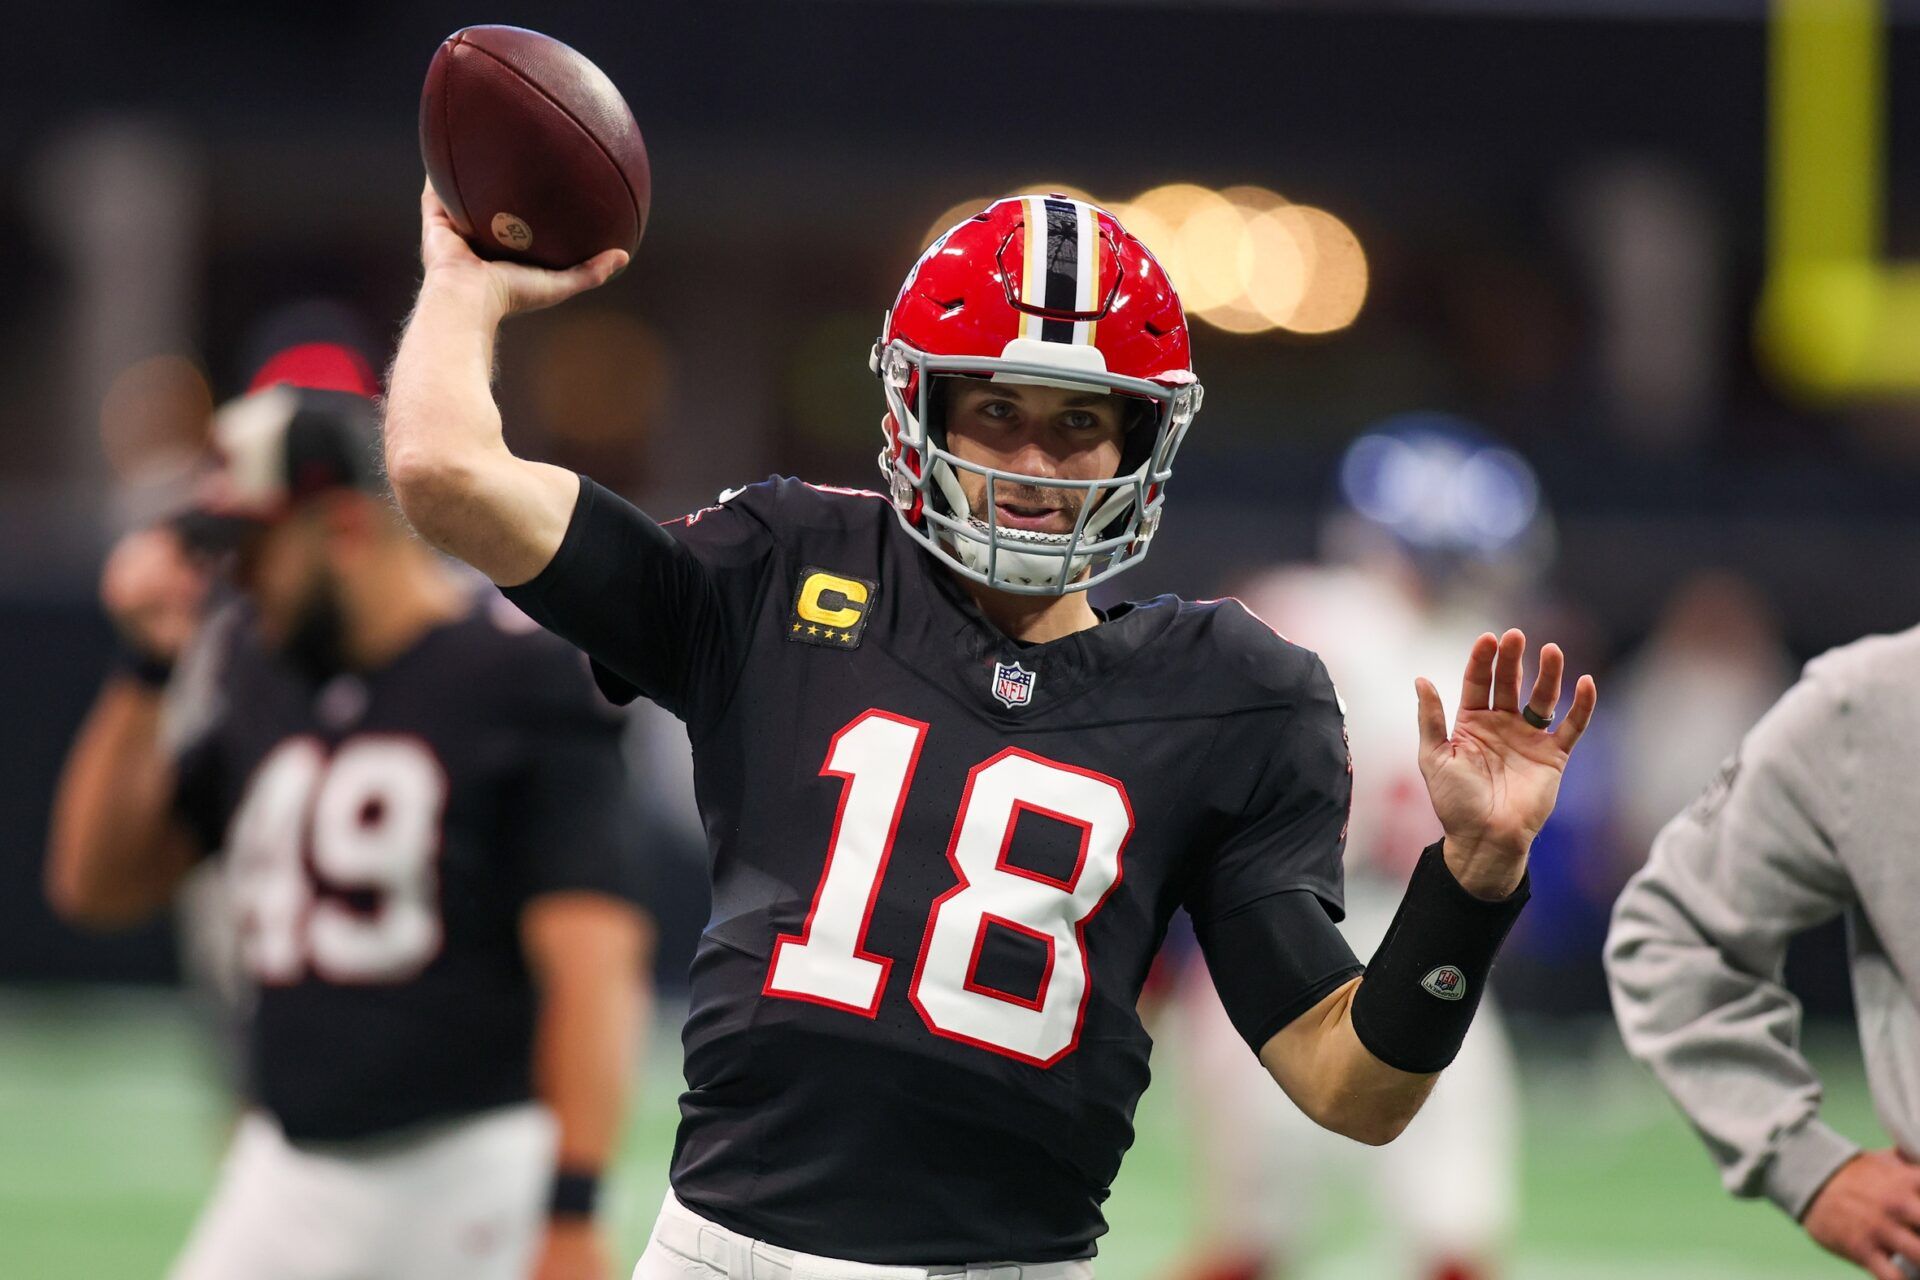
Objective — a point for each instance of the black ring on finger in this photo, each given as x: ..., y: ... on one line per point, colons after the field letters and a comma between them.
x: 1534, y: 718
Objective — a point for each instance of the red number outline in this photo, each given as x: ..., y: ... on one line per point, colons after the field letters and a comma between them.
x: 972, y: 982
x: 1013, y: 822
x: 826, y: 869
x: 1079, y: 927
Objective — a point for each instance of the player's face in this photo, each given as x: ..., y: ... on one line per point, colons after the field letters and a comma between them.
x: 1047, y: 432
x: 283, y: 570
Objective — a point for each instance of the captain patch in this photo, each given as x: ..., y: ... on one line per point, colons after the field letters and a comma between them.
x: 830, y: 609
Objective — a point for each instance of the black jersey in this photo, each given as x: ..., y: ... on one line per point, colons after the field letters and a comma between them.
x: 943, y: 861
x: 381, y: 833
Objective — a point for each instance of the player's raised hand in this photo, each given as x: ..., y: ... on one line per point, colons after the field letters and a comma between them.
x: 1494, y: 779
x: 1869, y: 1213
x: 508, y: 286
x: 154, y: 591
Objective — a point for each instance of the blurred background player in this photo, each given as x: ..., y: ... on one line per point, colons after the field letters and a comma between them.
x: 429, y: 856
x: 1437, y: 531
x: 1712, y: 666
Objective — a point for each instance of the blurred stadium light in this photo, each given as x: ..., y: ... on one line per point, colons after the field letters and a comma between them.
x: 153, y: 418
x: 1245, y: 259
x: 1439, y: 482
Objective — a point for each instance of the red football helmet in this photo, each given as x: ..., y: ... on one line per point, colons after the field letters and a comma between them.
x: 1045, y: 291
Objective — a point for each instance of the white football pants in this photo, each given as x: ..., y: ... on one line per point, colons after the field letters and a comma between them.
x: 461, y: 1200
x: 686, y: 1246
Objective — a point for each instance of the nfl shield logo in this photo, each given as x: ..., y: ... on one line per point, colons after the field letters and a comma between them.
x: 1446, y: 982
x: 1012, y: 684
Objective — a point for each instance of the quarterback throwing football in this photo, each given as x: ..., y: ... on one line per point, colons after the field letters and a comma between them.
x: 951, y: 804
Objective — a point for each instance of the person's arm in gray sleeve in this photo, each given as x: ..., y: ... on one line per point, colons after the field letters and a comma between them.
x: 1699, y: 938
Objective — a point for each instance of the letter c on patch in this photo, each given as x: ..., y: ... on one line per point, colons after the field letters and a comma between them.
x: 831, y: 601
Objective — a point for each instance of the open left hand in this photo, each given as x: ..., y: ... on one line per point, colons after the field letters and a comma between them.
x: 1494, y: 779
x: 573, y: 1251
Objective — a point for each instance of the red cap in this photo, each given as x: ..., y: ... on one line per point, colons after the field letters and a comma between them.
x: 319, y: 366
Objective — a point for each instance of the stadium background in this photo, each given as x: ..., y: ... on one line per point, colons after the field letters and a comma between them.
x: 1567, y: 217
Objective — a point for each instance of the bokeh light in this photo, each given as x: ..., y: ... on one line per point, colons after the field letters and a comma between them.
x: 1214, y: 252
x: 1336, y: 286
x: 1284, y: 264
x: 154, y: 416
x: 1244, y: 259
x: 1439, y: 482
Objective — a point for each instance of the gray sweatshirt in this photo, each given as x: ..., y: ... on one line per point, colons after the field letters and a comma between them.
x: 1816, y: 815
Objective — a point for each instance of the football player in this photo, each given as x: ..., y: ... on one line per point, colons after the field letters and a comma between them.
x: 422, y: 810
x: 951, y: 804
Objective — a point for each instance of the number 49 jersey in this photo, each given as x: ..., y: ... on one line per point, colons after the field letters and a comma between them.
x: 380, y: 835
x: 943, y: 861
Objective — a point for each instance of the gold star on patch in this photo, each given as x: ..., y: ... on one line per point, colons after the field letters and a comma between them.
x: 813, y: 631
x: 796, y: 626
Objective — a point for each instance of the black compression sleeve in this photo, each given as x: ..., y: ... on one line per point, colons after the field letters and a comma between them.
x: 622, y: 589
x: 1425, y: 981
x: 1273, y: 959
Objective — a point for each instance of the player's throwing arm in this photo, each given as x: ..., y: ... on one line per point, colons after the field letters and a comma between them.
x: 446, y: 459
x: 498, y: 235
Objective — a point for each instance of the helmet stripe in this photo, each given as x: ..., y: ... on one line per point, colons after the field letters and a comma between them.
x: 1060, y: 281
x: 1051, y: 275
x: 1087, y: 299
x: 1063, y: 255
x: 1034, y: 218
x: 1062, y: 267
x: 1032, y: 270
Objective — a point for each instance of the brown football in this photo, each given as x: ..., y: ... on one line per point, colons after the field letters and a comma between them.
x: 531, y: 148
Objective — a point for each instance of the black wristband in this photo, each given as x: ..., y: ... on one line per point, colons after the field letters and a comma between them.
x: 576, y: 1193
x: 1424, y: 983
x: 145, y: 669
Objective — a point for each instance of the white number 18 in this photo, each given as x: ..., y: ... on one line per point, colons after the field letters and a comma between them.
x: 827, y: 963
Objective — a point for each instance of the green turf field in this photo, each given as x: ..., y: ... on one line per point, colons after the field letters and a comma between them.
x: 112, y: 1117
